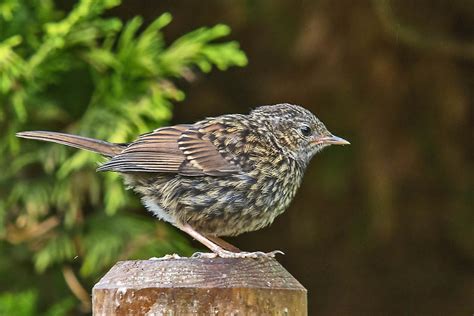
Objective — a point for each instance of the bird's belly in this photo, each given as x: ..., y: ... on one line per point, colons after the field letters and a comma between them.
x: 220, y: 206
x: 153, y: 206
x: 233, y: 205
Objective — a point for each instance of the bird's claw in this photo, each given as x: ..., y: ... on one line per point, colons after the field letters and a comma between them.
x: 166, y: 257
x: 204, y: 255
x: 242, y: 254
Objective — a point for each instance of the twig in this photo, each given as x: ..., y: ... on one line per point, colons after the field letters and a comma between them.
x: 76, y: 288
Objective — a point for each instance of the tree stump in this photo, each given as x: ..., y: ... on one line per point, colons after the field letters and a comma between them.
x: 189, y: 286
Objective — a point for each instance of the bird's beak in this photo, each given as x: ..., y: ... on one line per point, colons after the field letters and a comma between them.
x: 331, y: 140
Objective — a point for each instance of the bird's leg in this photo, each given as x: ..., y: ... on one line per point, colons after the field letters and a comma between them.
x: 216, y: 249
x: 223, y: 244
x: 219, y: 251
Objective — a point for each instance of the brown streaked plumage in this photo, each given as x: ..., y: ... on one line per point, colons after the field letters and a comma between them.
x: 221, y: 176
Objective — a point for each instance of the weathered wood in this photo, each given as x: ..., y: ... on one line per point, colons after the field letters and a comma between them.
x: 189, y: 286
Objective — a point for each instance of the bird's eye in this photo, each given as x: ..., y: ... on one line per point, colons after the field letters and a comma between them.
x: 305, y: 130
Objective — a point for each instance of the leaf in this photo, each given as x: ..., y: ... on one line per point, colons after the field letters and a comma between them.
x: 57, y: 250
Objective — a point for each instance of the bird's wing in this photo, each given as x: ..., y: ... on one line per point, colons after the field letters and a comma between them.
x: 183, y: 149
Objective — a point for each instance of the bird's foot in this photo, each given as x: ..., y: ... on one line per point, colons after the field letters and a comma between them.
x: 243, y: 254
x: 167, y: 257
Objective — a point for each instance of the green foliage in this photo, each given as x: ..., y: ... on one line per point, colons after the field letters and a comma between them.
x: 26, y: 304
x: 80, y: 72
x: 18, y: 303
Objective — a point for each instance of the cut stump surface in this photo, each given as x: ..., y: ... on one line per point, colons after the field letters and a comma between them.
x: 191, y: 286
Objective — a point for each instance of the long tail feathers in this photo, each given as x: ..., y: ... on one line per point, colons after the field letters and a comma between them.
x: 95, y: 145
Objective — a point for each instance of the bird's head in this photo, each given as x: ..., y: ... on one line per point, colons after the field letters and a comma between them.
x: 296, y: 130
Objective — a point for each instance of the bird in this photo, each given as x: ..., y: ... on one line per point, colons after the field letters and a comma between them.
x: 221, y: 176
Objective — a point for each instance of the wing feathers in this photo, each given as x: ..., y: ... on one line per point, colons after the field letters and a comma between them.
x: 202, y: 153
x: 183, y: 149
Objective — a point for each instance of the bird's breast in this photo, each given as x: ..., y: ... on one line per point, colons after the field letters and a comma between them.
x: 276, y: 185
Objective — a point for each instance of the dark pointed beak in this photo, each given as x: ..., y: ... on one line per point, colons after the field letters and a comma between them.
x: 332, y: 140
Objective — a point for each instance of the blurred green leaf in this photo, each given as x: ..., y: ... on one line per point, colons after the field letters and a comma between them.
x: 21, y: 303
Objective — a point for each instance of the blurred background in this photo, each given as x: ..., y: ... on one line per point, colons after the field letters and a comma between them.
x: 382, y: 227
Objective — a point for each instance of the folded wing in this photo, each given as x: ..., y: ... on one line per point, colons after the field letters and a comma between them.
x: 183, y: 149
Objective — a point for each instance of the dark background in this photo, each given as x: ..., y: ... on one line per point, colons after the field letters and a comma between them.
x: 384, y: 226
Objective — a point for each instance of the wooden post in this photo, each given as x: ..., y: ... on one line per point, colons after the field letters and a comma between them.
x: 189, y: 286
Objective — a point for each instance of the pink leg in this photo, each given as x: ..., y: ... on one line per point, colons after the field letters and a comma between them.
x: 224, y: 244
x: 201, y: 238
x: 219, y: 251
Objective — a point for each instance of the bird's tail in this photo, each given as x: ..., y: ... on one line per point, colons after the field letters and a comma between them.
x: 91, y: 144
